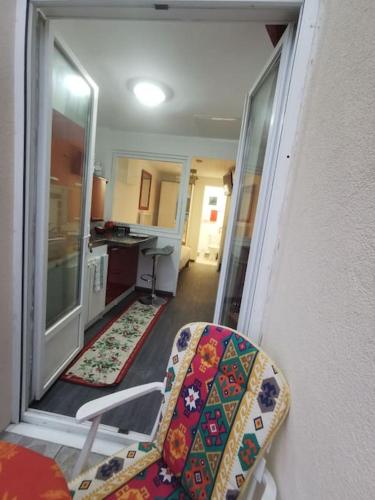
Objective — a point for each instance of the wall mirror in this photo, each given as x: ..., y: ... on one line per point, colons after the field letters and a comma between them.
x: 146, y: 191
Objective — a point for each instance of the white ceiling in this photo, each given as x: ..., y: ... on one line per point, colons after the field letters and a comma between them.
x: 208, y: 65
x: 211, y: 167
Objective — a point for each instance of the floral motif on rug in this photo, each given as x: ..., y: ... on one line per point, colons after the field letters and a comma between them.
x: 107, y: 358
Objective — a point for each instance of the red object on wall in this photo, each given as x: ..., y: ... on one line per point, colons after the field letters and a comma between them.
x: 97, y: 200
x: 213, y: 216
x: 27, y: 474
x: 67, y: 153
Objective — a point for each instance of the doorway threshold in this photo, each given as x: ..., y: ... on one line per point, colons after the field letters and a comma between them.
x: 64, y: 430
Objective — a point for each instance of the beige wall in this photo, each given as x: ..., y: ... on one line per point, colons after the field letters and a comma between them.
x: 126, y: 190
x: 320, y: 320
x: 7, y: 22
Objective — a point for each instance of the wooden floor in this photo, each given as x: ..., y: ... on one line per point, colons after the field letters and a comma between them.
x: 194, y: 301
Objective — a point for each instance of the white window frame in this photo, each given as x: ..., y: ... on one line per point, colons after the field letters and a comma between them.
x: 305, y: 45
x: 165, y: 232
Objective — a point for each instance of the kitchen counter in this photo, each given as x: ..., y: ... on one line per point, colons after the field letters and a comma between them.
x: 130, y: 240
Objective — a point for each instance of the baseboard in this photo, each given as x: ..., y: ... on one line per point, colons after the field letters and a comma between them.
x: 158, y: 292
x: 65, y: 430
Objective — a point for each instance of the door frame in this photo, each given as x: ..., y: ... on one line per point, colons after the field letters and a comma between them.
x: 283, y: 54
x: 22, y: 265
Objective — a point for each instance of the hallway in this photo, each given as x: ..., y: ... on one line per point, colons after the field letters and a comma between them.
x: 195, y: 301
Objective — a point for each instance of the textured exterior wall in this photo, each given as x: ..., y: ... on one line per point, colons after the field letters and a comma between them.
x: 7, y: 22
x: 320, y: 320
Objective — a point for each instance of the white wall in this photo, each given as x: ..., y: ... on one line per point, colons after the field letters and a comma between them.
x: 7, y: 174
x: 319, y: 324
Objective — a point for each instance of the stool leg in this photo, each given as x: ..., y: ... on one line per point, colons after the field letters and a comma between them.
x: 153, y: 299
x: 150, y: 299
x: 156, y: 301
x: 153, y: 294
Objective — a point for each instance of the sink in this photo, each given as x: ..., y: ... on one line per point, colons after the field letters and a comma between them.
x: 138, y: 236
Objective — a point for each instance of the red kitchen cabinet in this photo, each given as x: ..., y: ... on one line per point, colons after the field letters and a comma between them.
x: 122, y: 270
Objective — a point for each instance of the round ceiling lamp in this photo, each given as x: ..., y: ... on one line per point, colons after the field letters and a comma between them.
x: 148, y: 92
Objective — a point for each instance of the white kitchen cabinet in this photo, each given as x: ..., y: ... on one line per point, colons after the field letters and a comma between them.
x: 94, y: 301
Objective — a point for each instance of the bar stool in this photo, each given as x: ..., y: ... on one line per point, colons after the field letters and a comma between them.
x: 155, y: 253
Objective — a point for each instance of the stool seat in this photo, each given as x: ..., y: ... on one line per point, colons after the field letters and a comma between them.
x: 167, y: 250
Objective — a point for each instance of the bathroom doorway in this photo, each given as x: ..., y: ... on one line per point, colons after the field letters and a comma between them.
x: 211, y: 225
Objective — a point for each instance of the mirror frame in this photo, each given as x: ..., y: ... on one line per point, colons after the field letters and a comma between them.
x: 145, y: 176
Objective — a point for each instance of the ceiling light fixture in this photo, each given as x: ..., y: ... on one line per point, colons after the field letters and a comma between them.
x: 148, y: 92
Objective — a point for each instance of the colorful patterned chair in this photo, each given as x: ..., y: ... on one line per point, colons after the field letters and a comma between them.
x: 224, y: 400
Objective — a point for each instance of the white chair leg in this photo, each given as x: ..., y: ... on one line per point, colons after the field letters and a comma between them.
x: 82, y: 458
x: 270, y: 491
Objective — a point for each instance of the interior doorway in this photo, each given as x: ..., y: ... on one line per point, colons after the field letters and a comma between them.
x: 209, y: 125
x: 211, y: 226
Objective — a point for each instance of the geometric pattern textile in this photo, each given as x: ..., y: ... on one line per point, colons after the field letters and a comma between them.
x: 224, y: 400
x: 27, y: 474
x: 107, y: 357
x: 136, y: 472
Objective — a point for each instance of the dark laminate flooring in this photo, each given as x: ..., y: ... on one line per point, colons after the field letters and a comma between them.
x: 194, y: 301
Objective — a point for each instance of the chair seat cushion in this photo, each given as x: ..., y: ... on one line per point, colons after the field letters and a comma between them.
x: 135, y: 472
x: 27, y: 474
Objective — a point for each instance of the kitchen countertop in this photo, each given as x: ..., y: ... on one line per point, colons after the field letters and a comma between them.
x: 129, y: 240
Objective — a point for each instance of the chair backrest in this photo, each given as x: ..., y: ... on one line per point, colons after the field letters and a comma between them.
x: 224, y: 401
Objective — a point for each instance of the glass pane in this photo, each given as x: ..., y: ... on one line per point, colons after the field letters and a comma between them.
x: 146, y: 192
x: 250, y: 180
x: 71, y: 98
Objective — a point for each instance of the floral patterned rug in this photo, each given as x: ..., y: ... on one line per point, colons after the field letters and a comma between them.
x: 108, y: 356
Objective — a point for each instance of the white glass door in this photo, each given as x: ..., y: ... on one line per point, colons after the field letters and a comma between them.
x: 252, y: 187
x: 68, y: 99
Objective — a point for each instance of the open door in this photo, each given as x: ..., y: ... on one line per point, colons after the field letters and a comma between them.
x: 253, y: 180
x: 66, y: 135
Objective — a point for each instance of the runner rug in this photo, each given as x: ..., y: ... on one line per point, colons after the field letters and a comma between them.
x: 107, y: 357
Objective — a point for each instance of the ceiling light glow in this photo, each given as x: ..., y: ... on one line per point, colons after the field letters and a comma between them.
x: 149, y: 94
x: 76, y: 85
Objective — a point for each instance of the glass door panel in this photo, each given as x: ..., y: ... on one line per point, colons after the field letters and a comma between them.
x: 67, y: 104
x: 71, y: 105
x: 251, y: 171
